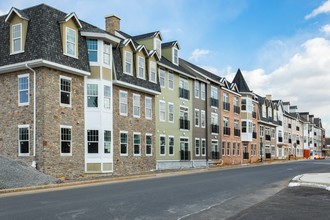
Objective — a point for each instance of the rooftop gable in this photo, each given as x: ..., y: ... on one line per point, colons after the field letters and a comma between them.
x: 240, y: 82
x: 73, y: 16
x: 149, y: 35
x: 18, y: 12
x: 171, y: 44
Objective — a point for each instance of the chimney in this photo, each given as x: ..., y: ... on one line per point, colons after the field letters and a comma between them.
x: 112, y: 24
x: 269, y: 97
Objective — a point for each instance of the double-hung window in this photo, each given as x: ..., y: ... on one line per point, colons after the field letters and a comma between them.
x: 162, y: 78
x: 203, y: 147
x: 141, y: 64
x: 162, y: 145
x: 148, y: 106
x: 158, y: 47
x: 17, y: 38
x: 23, y: 89
x: 197, y: 146
x: 107, y: 142
x: 152, y: 77
x: 162, y: 111
x: 123, y: 143
x: 170, y: 112
x: 70, y: 42
x: 123, y: 103
x: 128, y: 62
x: 23, y: 140
x: 197, y: 120
x: 107, y: 97
x: 93, y: 141
x: 106, y: 53
x: 65, y: 84
x: 92, y: 95
x: 170, y: 80
x: 171, y: 145
x: 92, y: 50
x: 202, y: 91
x: 137, y: 144
x: 66, y: 141
x: 175, y: 56
x: 148, y: 144
x: 203, y: 119
x: 136, y: 105
x: 196, y: 89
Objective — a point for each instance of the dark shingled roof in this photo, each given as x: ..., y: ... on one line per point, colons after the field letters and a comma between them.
x: 43, y: 40
x: 240, y: 82
x: 168, y: 63
x: 147, y: 35
x: 169, y: 44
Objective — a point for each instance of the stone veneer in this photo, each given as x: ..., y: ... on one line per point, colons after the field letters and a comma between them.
x: 50, y: 115
x: 131, y: 164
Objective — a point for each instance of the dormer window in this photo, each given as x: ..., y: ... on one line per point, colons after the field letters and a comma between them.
x: 175, y: 56
x: 92, y: 50
x: 106, y: 53
x: 141, y: 67
x: 128, y: 62
x: 158, y: 47
x: 70, y: 42
x: 17, y: 38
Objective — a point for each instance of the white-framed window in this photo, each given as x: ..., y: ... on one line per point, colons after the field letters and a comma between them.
x: 92, y: 141
x: 136, y: 106
x: 170, y: 112
x: 123, y: 143
x: 142, y: 65
x: 196, y: 89
x: 92, y: 47
x: 162, y: 110
x: 197, y: 118
x: 270, y: 112
x: 214, y: 97
x: 92, y: 95
x: 162, y: 145
x: 202, y: 91
x: 23, y: 140
x: 107, y: 53
x: 223, y: 146
x: 128, y: 63
x: 66, y: 140
x: 243, y: 104
x: 203, y: 147
x: 23, y: 89
x: 184, y: 89
x: 238, y: 149
x: 203, y: 119
x: 158, y: 46
x: 162, y: 78
x: 153, y: 69
x: 148, y: 144
x: 228, y: 148
x: 107, y: 142
x: 71, y: 42
x: 175, y: 56
x: 226, y: 122
x: 184, y: 119
x: 123, y: 103
x: 225, y: 98
x: 197, y: 146
x: 214, y: 119
x: 170, y: 80
x: 171, y: 145
x: 264, y: 111
x: 137, y: 144
x: 272, y: 133
x: 107, y: 97
x: 261, y: 131
x: 65, y: 90
x: 17, y: 38
x: 148, y: 106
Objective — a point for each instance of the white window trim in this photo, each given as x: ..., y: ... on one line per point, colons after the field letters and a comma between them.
x: 123, y: 132
x: 152, y: 64
x: 22, y: 76
x: 171, y: 136
x: 175, y: 62
x: 199, y: 118
x: 70, y: 79
x: 134, y: 115
x: 18, y: 147
x: 137, y: 133
x: 111, y: 144
x: 170, y: 103
x: 160, y: 119
x: 110, y: 54
x: 200, y: 143
x: 120, y: 112
x: 148, y: 134
x: 66, y: 43
x: 195, y: 89
x: 157, y: 40
x: 21, y: 39
x: 217, y: 94
x: 159, y: 72
x: 143, y: 67
x: 98, y: 92
x: 160, y: 136
x: 203, y: 126
x: 147, y: 117
x: 168, y: 81
x: 203, y: 139
x: 66, y: 154
x: 204, y: 86
x: 125, y: 71
x: 98, y: 60
x: 107, y: 97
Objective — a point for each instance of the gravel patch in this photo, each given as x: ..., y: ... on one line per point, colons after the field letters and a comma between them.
x: 15, y: 173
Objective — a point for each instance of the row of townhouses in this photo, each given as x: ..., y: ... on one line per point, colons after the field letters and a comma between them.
x: 78, y: 100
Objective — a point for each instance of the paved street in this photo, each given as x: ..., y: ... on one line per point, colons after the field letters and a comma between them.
x: 218, y: 194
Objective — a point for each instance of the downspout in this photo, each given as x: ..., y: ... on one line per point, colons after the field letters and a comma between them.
x: 34, y: 109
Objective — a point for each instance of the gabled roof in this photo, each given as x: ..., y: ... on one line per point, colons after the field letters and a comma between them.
x: 240, y: 82
x: 69, y: 16
x: 148, y: 35
x: 170, y: 44
x: 18, y: 12
x: 165, y: 62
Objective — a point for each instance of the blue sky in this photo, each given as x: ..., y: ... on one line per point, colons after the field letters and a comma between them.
x: 281, y: 46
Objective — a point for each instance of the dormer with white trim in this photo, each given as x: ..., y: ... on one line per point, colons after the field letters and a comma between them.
x: 170, y: 51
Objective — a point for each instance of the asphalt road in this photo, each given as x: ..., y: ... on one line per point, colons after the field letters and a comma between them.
x: 216, y: 194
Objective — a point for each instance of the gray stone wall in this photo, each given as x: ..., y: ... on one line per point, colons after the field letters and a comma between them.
x: 132, y: 164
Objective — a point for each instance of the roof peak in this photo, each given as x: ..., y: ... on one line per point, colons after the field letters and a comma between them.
x: 240, y: 82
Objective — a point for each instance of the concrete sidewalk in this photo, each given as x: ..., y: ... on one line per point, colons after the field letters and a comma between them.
x: 318, y: 180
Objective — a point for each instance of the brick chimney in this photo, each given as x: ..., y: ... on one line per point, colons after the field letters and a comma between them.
x: 112, y: 24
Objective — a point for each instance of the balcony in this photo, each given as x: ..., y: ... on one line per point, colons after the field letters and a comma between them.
x: 254, y: 114
x: 184, y: 93
x: 214, y: 102
x: 184, y: 155
x: 226, y: 106
x: 237, y: 132
x: 214, y: 128
x: 237, y: 109
x: 290, y: 141
x: 226, y: 130
x: 267, y: 137
x: 184, y: 124
x: 254, y: 135
x: 215, y: 155
x: 280, y: 139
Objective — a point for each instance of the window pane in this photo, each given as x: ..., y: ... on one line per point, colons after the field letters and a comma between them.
x: 23, y: 97
x: 24, y: 147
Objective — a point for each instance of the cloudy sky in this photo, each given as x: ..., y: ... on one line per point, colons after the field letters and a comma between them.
x: 281, y: 46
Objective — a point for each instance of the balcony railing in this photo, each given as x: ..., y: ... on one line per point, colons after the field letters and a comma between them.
x: 254, y: 135
x: 254, y: 114
x: 214, y: 102
x: 237, y: 109
x: 215, y: 155
x: 184, y: 93
x: 237, y: 132
x: 184, y: 124
x: 226, y: 130
x: 280, y: 139
x: 226, y: 106
x: 184, y: 155
x: 267, y: 137
x: 214, y: 128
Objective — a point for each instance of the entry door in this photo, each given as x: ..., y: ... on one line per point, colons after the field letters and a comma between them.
x: 184, y: 147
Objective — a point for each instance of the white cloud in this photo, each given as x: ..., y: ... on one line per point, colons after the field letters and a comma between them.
x: 325, y: 29
x: 197, y: 54
x: 324, y: 8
